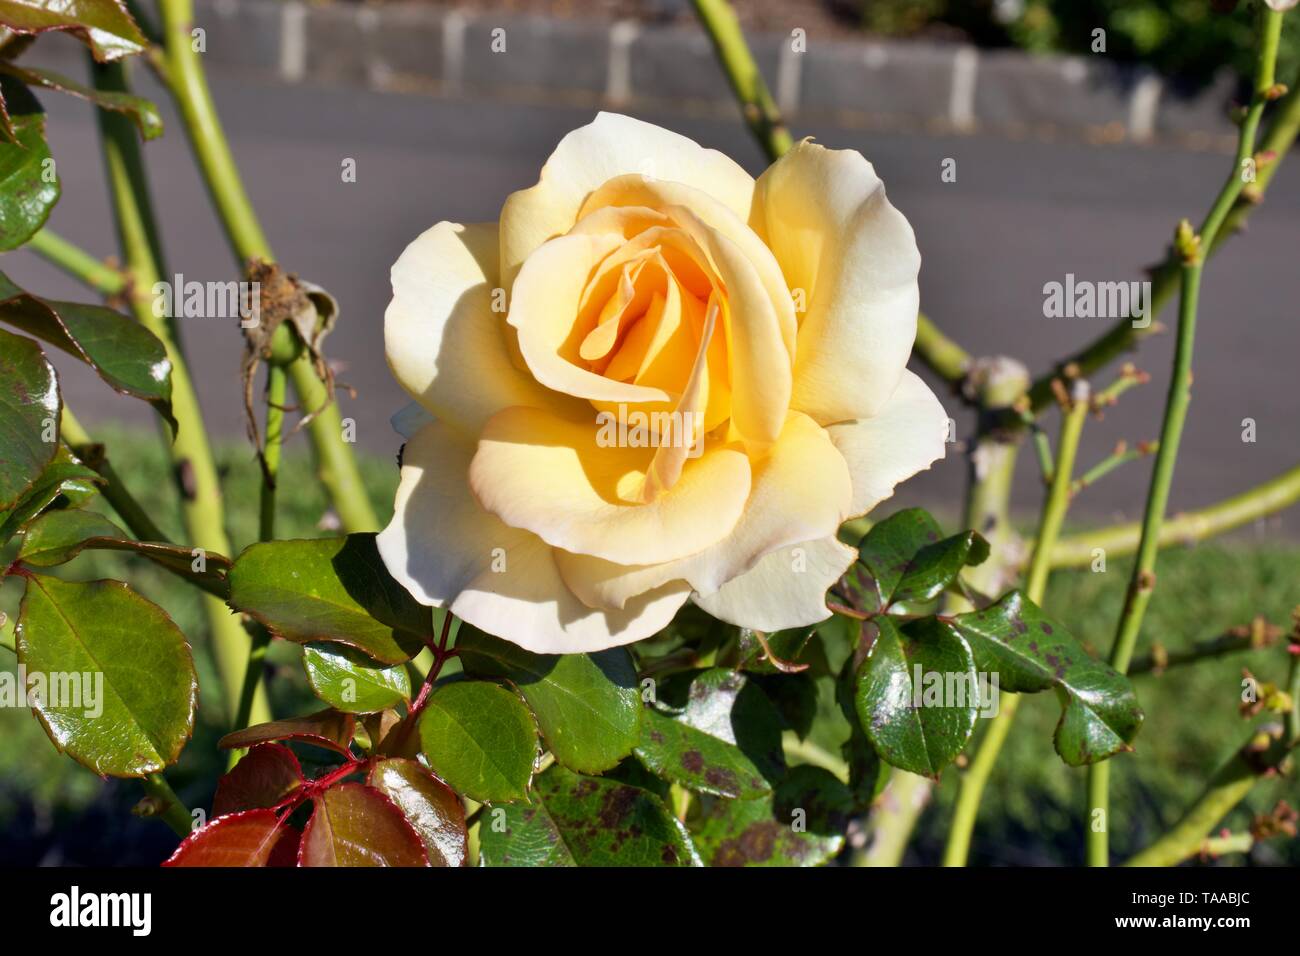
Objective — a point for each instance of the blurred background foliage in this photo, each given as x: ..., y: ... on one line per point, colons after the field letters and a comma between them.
x: 53, y: 811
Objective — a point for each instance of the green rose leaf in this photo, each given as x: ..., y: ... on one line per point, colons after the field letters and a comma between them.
x: 250, y: 838
x: 29, y: 414
x: 141, y: 111
x: 574, y: 820
x: 429, y: 805
x: 906, y: 560
x: 725, y: 739
x: 131, y: 654
x: 1030, y: 652
x: 355, y: 825
x: 480, y: 738
x: 126, y: 355
x: 263, y: 777
x: 29, y: 185
x: 103, y: 25
x: 59, y: 536
x: 326, y: 728
x: 587, y: 706
x: 64, y: 481
x: 917, y: 694
x: 331, y: 589
x: 802, y: 823
x: 349, y: 681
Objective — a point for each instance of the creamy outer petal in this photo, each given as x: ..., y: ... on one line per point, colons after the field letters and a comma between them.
x: 785, y: 589
x: 448, y: 552
x: 444, y: 343
x: 907, y: 435
x: 548, y: 475
x: 612, y: 145
x: 802, y: 491
x: 825, y: 216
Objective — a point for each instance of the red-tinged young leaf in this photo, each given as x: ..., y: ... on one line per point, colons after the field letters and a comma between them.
x: 356, y: 825
x: 131, y: 709
x: 429, y: 805
x: 326, y: 728
x: 142, y: 112
x: 29, y: 413
x: 103, y: 25
x: 251, y: 838
x: 262, y: 778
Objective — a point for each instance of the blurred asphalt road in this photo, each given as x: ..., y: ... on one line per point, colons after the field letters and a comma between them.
x: 1021, y: 213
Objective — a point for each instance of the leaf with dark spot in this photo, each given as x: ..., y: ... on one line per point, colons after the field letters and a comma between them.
x: 584, y: 821
x: 1030, y: 653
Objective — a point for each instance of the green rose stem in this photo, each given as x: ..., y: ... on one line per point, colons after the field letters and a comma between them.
x: 167, y: 806
x: 1190, y: 248
x: 1186, y: 528
x: 190, y: 452
x: 78, y: 263
x: 270, y: 456
x: 1055, y: 505
x: 992, y: 464
x: 1122, y: 336
x: 114, y: 489
x: 941, y: 355
x: 183, y: 74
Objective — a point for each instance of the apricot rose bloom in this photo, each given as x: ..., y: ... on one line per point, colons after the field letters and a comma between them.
x: 645, y: 276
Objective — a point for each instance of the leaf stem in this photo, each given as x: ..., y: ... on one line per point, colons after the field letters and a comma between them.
x: 1187, y: 528
x: 183, y: 72
x: 191, y: 454
x: 168, y: 807
x: 78, y: 263
x: 1191, y: 249
x: 1055, y: 505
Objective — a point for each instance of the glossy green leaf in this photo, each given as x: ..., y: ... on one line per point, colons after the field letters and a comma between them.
x: 127, y: 356
x: 64, y: 481
x: 29, y: 413
x: 29, y: 184
x: 326, y: 728
x: 355, y: 825
x: 130, y: 652
x: 802, y: 823
x: 575, y: 820
x: 429, y: 805
x: 917, y: 694
x: 263, y: 777
x: 587, y: 706
x: 1030, y: 652
x: 331, y: 589
x: 59, y: 536
x: 250, y: 838
x: 724, y: 739
x: 793, y: 648
x: 141, y: 111
x: 905, y: 560
x: 103, y: 25
x: 349, y: 681
x: 479, y: 738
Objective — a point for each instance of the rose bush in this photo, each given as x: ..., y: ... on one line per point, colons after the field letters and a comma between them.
x: 647, y: 274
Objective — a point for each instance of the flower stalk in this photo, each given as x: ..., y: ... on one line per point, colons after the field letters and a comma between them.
x: 1190, y: 247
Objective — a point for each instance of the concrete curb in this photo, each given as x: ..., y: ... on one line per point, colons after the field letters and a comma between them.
x: 909, y: 85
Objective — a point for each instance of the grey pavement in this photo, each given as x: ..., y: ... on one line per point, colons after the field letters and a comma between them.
x: 1021, y: 213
